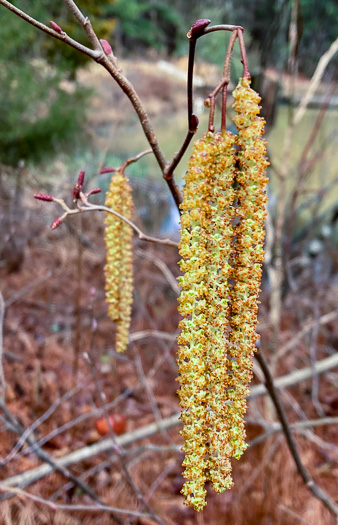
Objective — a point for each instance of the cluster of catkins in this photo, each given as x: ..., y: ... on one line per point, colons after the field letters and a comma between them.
x: 119, y: 265
x: 221, y: 245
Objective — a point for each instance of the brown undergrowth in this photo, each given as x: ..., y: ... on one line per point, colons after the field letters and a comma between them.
x: 39, y: 339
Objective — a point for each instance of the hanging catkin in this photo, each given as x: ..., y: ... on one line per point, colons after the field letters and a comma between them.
x: 119, y: 265
x: 249, y: 253
x: 206, y: 234
x: 221, y: 246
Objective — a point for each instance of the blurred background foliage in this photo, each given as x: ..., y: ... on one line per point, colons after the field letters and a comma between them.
x: 39, y: 115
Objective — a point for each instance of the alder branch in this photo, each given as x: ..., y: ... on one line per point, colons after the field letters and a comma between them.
x: 87, y: 206
x: 59, y: 36
x: 109, y: 63
x: 318, y: 492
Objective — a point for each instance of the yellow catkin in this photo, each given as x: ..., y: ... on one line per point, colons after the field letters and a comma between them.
x: 221, y: 245
x: 119, y: 265
x: 206, y: 235
x: 248, y: 254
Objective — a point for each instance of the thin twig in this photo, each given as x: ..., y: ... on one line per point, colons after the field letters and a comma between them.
x: 192, y: 118
x: 127, y: 163
x: 246, y: 73
x: 308, y: 326
x: 38, y: 422
x: 59, y: 36
x: 110, y: 65
x: 87, y: 206
x: 223, y: 85
x: 226, y: 78
x: 136, y: 336
x: 274, y: 427
x: 315, y: 489
x: 221, y: 27
x: 163, y: 267
x: 54, y: 465
x: 75, y: 508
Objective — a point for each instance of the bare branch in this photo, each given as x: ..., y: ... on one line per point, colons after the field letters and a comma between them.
x: 59, y: 36
x: 87, y: 206
x: 61, y: 506
x: 315, y: 489
x: 298, y: 375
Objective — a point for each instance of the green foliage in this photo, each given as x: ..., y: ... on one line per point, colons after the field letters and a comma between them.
x: 148, y: 24
x: 37, y: 116
x: 24, y: 41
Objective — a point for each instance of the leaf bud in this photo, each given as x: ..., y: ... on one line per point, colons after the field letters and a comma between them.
x: 56, y: 28
x: 106, y: 47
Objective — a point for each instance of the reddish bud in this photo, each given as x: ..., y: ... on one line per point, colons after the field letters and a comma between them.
x: 78, y: 186
x: 93, y: 191
x: 107, y: 170
x: 80, y: 179
x: 106, y: 47
x: 43, y: 197
x: 198, y: 27
x: 193, y: 122
x: 56, y: 223
x: 56, y: 28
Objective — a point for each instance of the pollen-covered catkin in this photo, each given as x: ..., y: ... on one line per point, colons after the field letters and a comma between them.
x: 119, y: 266
x: 206, y: 235
x: 249, y: 253
x: 222, y: 236
x: 126, y: 274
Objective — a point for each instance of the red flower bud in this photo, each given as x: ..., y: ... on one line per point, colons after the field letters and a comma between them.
x: 78, y: 186
x: 198, y: 27
x: 80, y: 179
x: 56, y: 28
x: 43, y: 197
x: 106, y: 47
x: 56, y: 223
